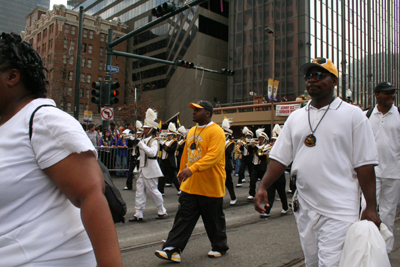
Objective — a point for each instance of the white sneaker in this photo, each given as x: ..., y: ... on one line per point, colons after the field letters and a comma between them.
x: 233, y: 201
x: 250, y: 197
x: 168, y: 185
x: 243, y: 180
x: 284, y: 212
x: 264, y: 215
x: 179, y: 192
x: 236, y: 174
x: 239, y: 185
x: 215, y: 254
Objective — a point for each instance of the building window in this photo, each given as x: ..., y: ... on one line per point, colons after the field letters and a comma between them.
x: 80, y: 92
x: 86, y: 107
x: 90, y: 49
x: 65, y: 59
x: 101, y: 65
x: 89, y: 63
x: 80, y: 108
x: 72, y: 45
x: 68, y: 106
x: 69, y: 91
x: 73, y: 28
x: 90, y: 34
x: 39, y: 37
x: 71, y: 60
x: 100, y: 78
x: 85, y: 32
x: 101, y: 51
x: 51, y: 28
x: 87, y: 93
x: 65, y: 43
x: 88, y: 78
x: 70, y: 75
x: 66, y: 28
x: 83, y: 62
x: 82, y: 77
x: 102, y: 36
x: 84, y: 47
x: 44, y: 33
x: 62, y: 105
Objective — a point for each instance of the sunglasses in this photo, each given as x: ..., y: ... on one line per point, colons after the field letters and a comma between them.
x: 318, y: 76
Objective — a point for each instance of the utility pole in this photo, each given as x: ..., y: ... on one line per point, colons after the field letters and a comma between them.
x: 78, y: 65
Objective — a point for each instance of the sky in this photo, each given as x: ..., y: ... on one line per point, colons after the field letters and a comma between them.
x: 57, y: 2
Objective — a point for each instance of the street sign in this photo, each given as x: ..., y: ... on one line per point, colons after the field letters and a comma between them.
x: 112, y: 72
x: 112, y: 68
x: 107, y: 114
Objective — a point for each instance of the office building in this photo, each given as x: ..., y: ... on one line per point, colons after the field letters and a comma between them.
x: 198, y: 35
x: 13, y: 13
x: 54, y: 34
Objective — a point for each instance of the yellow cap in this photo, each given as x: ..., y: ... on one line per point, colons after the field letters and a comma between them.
x: 322, y: 63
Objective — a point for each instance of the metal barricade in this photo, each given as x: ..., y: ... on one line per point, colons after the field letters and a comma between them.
x: 113, y: 158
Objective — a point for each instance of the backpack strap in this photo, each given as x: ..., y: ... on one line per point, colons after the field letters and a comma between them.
x: 369, y: 112
x: 33, y: 115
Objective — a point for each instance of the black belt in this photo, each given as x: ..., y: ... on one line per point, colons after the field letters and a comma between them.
x: 152, y: 157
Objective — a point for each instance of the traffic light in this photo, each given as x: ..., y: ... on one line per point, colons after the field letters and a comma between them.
x: 227, y: 72
x: 96, y: 93
x: 114, y: 93
x: 185, y: 64
x: 163, y: 9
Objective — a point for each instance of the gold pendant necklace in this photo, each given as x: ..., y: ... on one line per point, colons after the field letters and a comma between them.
x: 311, y: 140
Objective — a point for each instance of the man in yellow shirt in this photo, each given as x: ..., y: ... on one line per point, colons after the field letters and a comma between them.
x: 202, y: 177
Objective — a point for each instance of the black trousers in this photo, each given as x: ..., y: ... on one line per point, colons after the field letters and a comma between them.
x: 191, y: 207
x: 169, y: 175
x: 245, y: 161
x: 132, y: 164
x: 280, y: 186
x: 229, y: 184
x: 258, y: 172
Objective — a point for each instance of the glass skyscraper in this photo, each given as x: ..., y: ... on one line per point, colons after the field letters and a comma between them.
x: 361, y: 37
x: 13, y: 13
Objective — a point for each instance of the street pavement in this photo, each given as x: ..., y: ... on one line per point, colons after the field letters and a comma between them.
x: 253, y: 241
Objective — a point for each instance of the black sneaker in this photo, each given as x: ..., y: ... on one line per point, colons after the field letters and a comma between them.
x: 171, y: 255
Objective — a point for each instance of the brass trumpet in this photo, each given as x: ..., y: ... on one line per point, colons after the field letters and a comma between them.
x: 264, y: 151
x: 162, y: 138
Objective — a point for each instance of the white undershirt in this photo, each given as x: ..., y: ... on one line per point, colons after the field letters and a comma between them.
x: 326, y: 177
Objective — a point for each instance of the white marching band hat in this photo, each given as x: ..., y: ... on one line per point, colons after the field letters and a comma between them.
x: 246, y: 131
x: 276, y: 131
x: 260, y: 132
x: 182, y: 130
x: 225, y: 126
x: 139, y: 127
x: 150, y: 119
x: 171, y: 128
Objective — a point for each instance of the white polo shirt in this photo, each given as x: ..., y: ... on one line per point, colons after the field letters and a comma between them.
x: 326, y: 177
x: 386, y: 129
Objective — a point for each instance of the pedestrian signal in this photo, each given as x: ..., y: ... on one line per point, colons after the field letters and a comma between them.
x: 96, y: 92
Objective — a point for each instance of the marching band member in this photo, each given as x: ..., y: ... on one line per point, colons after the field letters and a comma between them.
x: 259, y: 161
x: 134, y: 162
x: 168, y: 162
x: 247, y: 156
x: 149, y: 170
x: 181, y: 137
x: 279, y: 185
x: 229, y: 146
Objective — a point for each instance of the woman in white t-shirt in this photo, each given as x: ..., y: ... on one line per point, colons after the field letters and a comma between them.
x: 51, y: 193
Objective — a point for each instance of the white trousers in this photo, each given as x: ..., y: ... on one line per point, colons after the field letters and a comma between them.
x: 321, y: 238
x: 149, y: 186
x: 387, y: 194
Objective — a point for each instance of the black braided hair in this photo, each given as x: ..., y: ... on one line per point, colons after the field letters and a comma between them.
x: 18, y: 54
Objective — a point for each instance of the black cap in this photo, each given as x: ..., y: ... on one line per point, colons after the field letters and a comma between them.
x: 384, y: 86
x: 202, y: 104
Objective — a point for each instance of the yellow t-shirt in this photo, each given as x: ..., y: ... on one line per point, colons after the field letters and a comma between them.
x: 206, y: 162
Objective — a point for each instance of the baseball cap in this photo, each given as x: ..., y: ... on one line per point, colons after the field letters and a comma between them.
x: 202, y: 104
x: 384, y: 86
x: 322, y: 63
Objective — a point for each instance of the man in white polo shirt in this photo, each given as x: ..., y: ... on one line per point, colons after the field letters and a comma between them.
x: 385, y: 122
x: 332, y: 148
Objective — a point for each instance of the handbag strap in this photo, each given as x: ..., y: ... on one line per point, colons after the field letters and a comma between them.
x: 33, y: 114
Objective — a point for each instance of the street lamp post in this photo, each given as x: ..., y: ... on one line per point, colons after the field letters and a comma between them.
x: 271, y: 31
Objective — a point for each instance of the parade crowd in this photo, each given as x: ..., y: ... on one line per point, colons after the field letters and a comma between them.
x: 344, y: 164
